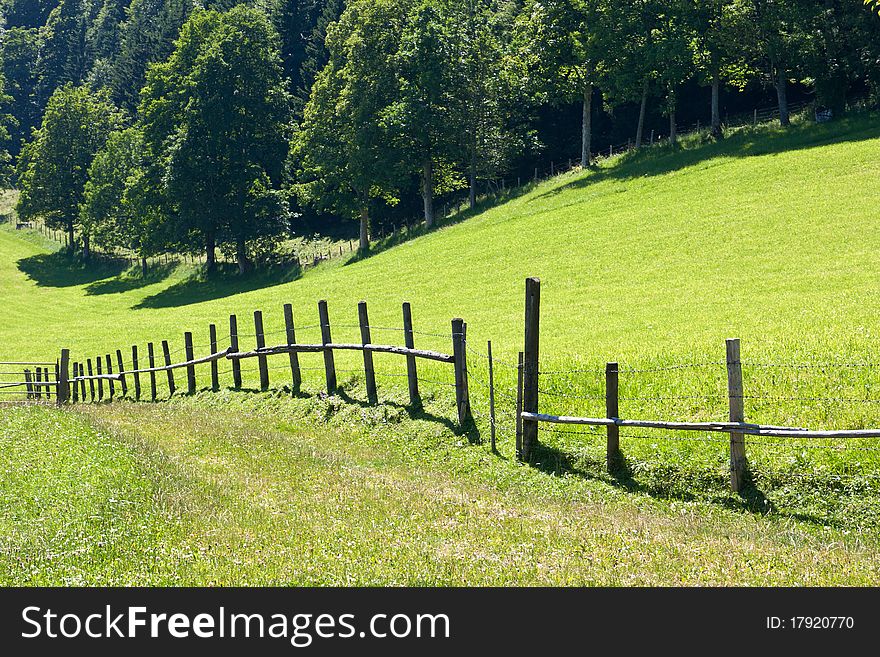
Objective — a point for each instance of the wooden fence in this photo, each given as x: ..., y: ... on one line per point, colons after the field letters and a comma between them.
x: 29, y: 382
x: 529, y: 418
x: 89, y: 376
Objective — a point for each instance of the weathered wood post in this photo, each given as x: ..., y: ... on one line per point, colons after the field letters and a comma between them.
x: 28, y: 385
x: 462, y: 401
x: 329, y: 364
x: 82, y: 384
x: 110, y: 385
x: 122, y: 382
x: 491, y: 397
x: 290, y: 329
x: 38, y: 383
x: 519, y: 405
x: 215, y: 371
x: 233, y: 345
x: 737, y: 414
x: 369, y: 371
x: 190, y: 369
x: 530, y: 364
x: 262, y: 361
x: 412, y: 373
x: 99, y: 371
x: 166, y: 354
x: 151, y: 360
x: 612, y: 451
x: 91, y: 380
x: 63, y: 393
x: 75, y: 390
x: 135, y: 375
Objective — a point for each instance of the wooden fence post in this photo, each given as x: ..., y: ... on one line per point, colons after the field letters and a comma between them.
x: 215, y: 372
x: 166, y: 353
x: 262, y: 362
x: 190, y: 369
x: 122, y: 383
x: 612, y: 451
x: 233, y: 345
x: 530, y: 364
x: 82, y: 384
x: 519, y: 405
x: 369, y: 371
x: 412, y: 373
x: 737, y: 414
x: 491, y: 398
x: 462, y: 401
x: 110, y: 385
x: 75, y: 390
x: 329, y: 364
x: 28, y: 385
x: 38, y: 383
x: 136, y: 376
x: 295, y: 374
x: 63, y: 393
x: 91, y: 380
x: 99, y: 371
x: 151, y: 360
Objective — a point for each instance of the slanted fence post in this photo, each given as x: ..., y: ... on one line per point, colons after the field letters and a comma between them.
x: 612, y: 451
x: 412, y: 373
x: 91, y: 380
x: 82, y: 384
x: 28, y: 385
x: 75, y: 390
x: 737, y: 414
x: 99, y: 371
x: 166, y: 353
x: 462, y: 401
x: 329, y: 364
x: 233, y: 345
x: 530, y: 364
x: 262, y: 361
x: 63, y: 393
x: 151, y: 359
x: 215, y: 371
x: 491, y: 397
x: 135, y: 375
x: 110, y: 385
x: 38, y: 383
x: 369, y: 371
x: 122, y: 382
x: 295, y: 374
x: 190, y: 369
x: 519, y: 405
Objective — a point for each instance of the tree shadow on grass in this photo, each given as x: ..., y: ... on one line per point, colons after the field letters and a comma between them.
x: 59, y: 269
x: 748, y: 142
x: 133, y: 280
x: 225, y: 282
x: 668, y: 482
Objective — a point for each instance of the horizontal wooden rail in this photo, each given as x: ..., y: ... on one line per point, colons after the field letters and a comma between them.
x: 300, y: 348
x: 9, y: 384
x: 164, y: 368
x: 721, y: 427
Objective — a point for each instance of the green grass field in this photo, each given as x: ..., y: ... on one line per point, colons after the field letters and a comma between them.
x: 650, y: 260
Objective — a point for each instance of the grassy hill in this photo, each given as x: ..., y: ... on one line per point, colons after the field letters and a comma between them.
x: 651, y: 260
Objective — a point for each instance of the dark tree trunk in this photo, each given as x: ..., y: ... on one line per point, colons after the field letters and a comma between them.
x: 364, y: 244
x: 210, y: 254
x: 587, y: 127
x: 472, y: 197
x: 71, y: 244
x: 144, y: 266
x: 428, y: 192
x: 782, y: 94
x: 642, y: 110
x: 673, y: 128
x: 244, y: 263
x: 87, y: 251
x: 717, y: 133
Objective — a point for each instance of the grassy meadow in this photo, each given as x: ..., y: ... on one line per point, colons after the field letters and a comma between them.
x: 651, y: 260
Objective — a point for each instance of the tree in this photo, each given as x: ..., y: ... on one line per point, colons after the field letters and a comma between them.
x: 343, y: 155
x: 215, y: 119
x: 63, y: 57
x: 18, y: 52
x: 53, y: 170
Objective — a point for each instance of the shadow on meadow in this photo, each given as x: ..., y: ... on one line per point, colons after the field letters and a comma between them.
x: 60, y: 269
x: 131, y: 280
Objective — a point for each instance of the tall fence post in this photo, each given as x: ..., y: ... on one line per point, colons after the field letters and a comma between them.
x: 737, y: 414
x: 215, y: 371
x: 290, y: 329
x: 530, y: 364
x: 612, y: 452
x: 75, y: 389
x: 233, y: 345
x: 82, y: 384
x: 519, y: 405
x: 491, y: 397
x: 135, y: 375
x: 28, y: 385
x: 412, y: 373
x: 262, y: 362
x: 91, y: 380
x: 99, y: 371
x: 462, y: 402
x: 166, y: 354
x: 38, y: 383
x: 63, y: 393
x: 110, y: 385
x: 122, y: 382
x: 369, y: 371
x: 329, y: 364
x: 151, y: 360
x: 190, y: 369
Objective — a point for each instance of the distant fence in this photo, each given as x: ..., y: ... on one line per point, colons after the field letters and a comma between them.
x: 91, y: 376
x: 28, y: 382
